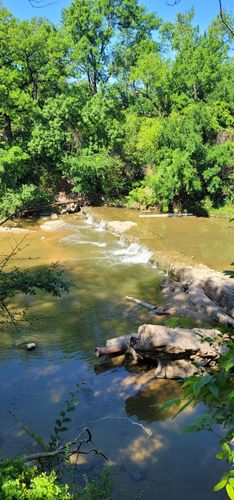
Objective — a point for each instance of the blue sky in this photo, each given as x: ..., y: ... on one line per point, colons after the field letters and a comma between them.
x: 205, y: 10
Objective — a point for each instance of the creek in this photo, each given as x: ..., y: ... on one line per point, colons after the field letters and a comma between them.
x: 121, y: 411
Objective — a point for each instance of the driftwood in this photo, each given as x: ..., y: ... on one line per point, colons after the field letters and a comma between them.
x: 70, y: 448
x: 152, y: 307
x: 164, y: 215
x: 173, y: 349
x: 117, y: 345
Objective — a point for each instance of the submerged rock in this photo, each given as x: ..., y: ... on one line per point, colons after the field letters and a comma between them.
x: 31, y: 346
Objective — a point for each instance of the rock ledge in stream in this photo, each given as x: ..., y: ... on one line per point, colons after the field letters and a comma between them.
x: 188, y: 299
x: 57, y: 225
x: 120, y: 227
x: 215, y: 285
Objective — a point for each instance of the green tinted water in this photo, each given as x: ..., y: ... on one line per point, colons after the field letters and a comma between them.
x: 113, y: 398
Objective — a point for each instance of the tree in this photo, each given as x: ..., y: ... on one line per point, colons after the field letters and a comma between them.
x: 100, y: 31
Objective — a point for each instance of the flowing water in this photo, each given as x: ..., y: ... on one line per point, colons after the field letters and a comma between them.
x: 192, y: 240
x: 118, y: 406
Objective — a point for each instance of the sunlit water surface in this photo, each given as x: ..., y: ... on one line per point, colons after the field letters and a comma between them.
x: 121, y: 411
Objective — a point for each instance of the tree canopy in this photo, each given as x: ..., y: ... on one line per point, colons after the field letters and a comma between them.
x: 118, y: 104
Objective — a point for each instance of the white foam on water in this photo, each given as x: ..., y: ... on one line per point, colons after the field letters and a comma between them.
x: 89, y: 219
x: 134, y: 254
x: 101, y: 226
x: 75, y: 239
x: 95, y: 243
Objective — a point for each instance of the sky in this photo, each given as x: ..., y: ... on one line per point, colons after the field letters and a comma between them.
x: 205, y: 10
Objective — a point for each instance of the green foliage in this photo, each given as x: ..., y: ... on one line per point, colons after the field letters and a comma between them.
x: 99, y: 488
x: 97, y: 101
x: 17, y: 480
x: 98, y: 173
x: 26, y: 197
x: 26, y: 282
x: 216, y: 391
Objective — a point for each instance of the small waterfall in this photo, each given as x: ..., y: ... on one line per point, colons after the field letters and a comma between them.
x: 89, y: 219
x: 134, y: 254
x: 101, y: 226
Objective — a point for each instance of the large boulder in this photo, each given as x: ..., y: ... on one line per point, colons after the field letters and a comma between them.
x: 176, y: 343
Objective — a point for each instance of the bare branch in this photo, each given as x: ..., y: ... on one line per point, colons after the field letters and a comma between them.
x: 221, y: 13
x: 69, y: 448
x: 223, y: 19
x: 11, y: 317
x: 39, y: 4
x: 17, y: 248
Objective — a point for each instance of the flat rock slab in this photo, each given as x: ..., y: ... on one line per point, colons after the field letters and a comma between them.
x: 120, y: 227
x: 57, y: 225
x: 217, y: 286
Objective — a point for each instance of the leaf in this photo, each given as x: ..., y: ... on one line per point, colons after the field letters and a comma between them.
x: 214, y: 390
x: 228, y: 364
x: 63, y: 429
x: 67, y: 419
x: 230, y: 491
x: 169, y: 403
x: 183, y: 407
x: 201, y: 382
x: 226, y: 449
x: 62, y: 413
x: 71, y: 408
x: 58, y: 422
x: 220, y: 485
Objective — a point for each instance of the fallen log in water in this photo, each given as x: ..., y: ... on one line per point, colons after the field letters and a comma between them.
x: 117, y: 345
x: 152, y: 307
x: 164, y: 215
x: 174, y: 349
x: 101, y: 351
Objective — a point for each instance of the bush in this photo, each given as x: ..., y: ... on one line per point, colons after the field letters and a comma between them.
x: 96, y: 174
x: 21, y: 482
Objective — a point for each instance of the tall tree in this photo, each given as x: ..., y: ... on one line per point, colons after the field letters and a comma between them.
x: 99, y: 30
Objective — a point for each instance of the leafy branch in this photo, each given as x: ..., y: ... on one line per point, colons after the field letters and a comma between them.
x: 56, y: 448
x: 216, y: 391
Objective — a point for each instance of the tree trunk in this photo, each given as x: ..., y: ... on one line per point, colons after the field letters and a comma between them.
x: 7, y: 128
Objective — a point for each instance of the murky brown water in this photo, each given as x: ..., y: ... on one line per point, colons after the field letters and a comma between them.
x: 120, y: 407
x: 193, y: 240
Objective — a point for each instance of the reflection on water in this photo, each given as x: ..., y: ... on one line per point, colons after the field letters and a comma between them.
x: 119, y: 404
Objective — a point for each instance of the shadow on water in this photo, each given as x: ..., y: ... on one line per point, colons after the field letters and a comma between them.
x: 119, y: 403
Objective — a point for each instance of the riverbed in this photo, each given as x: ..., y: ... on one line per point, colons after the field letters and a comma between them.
x: 121, y: 410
